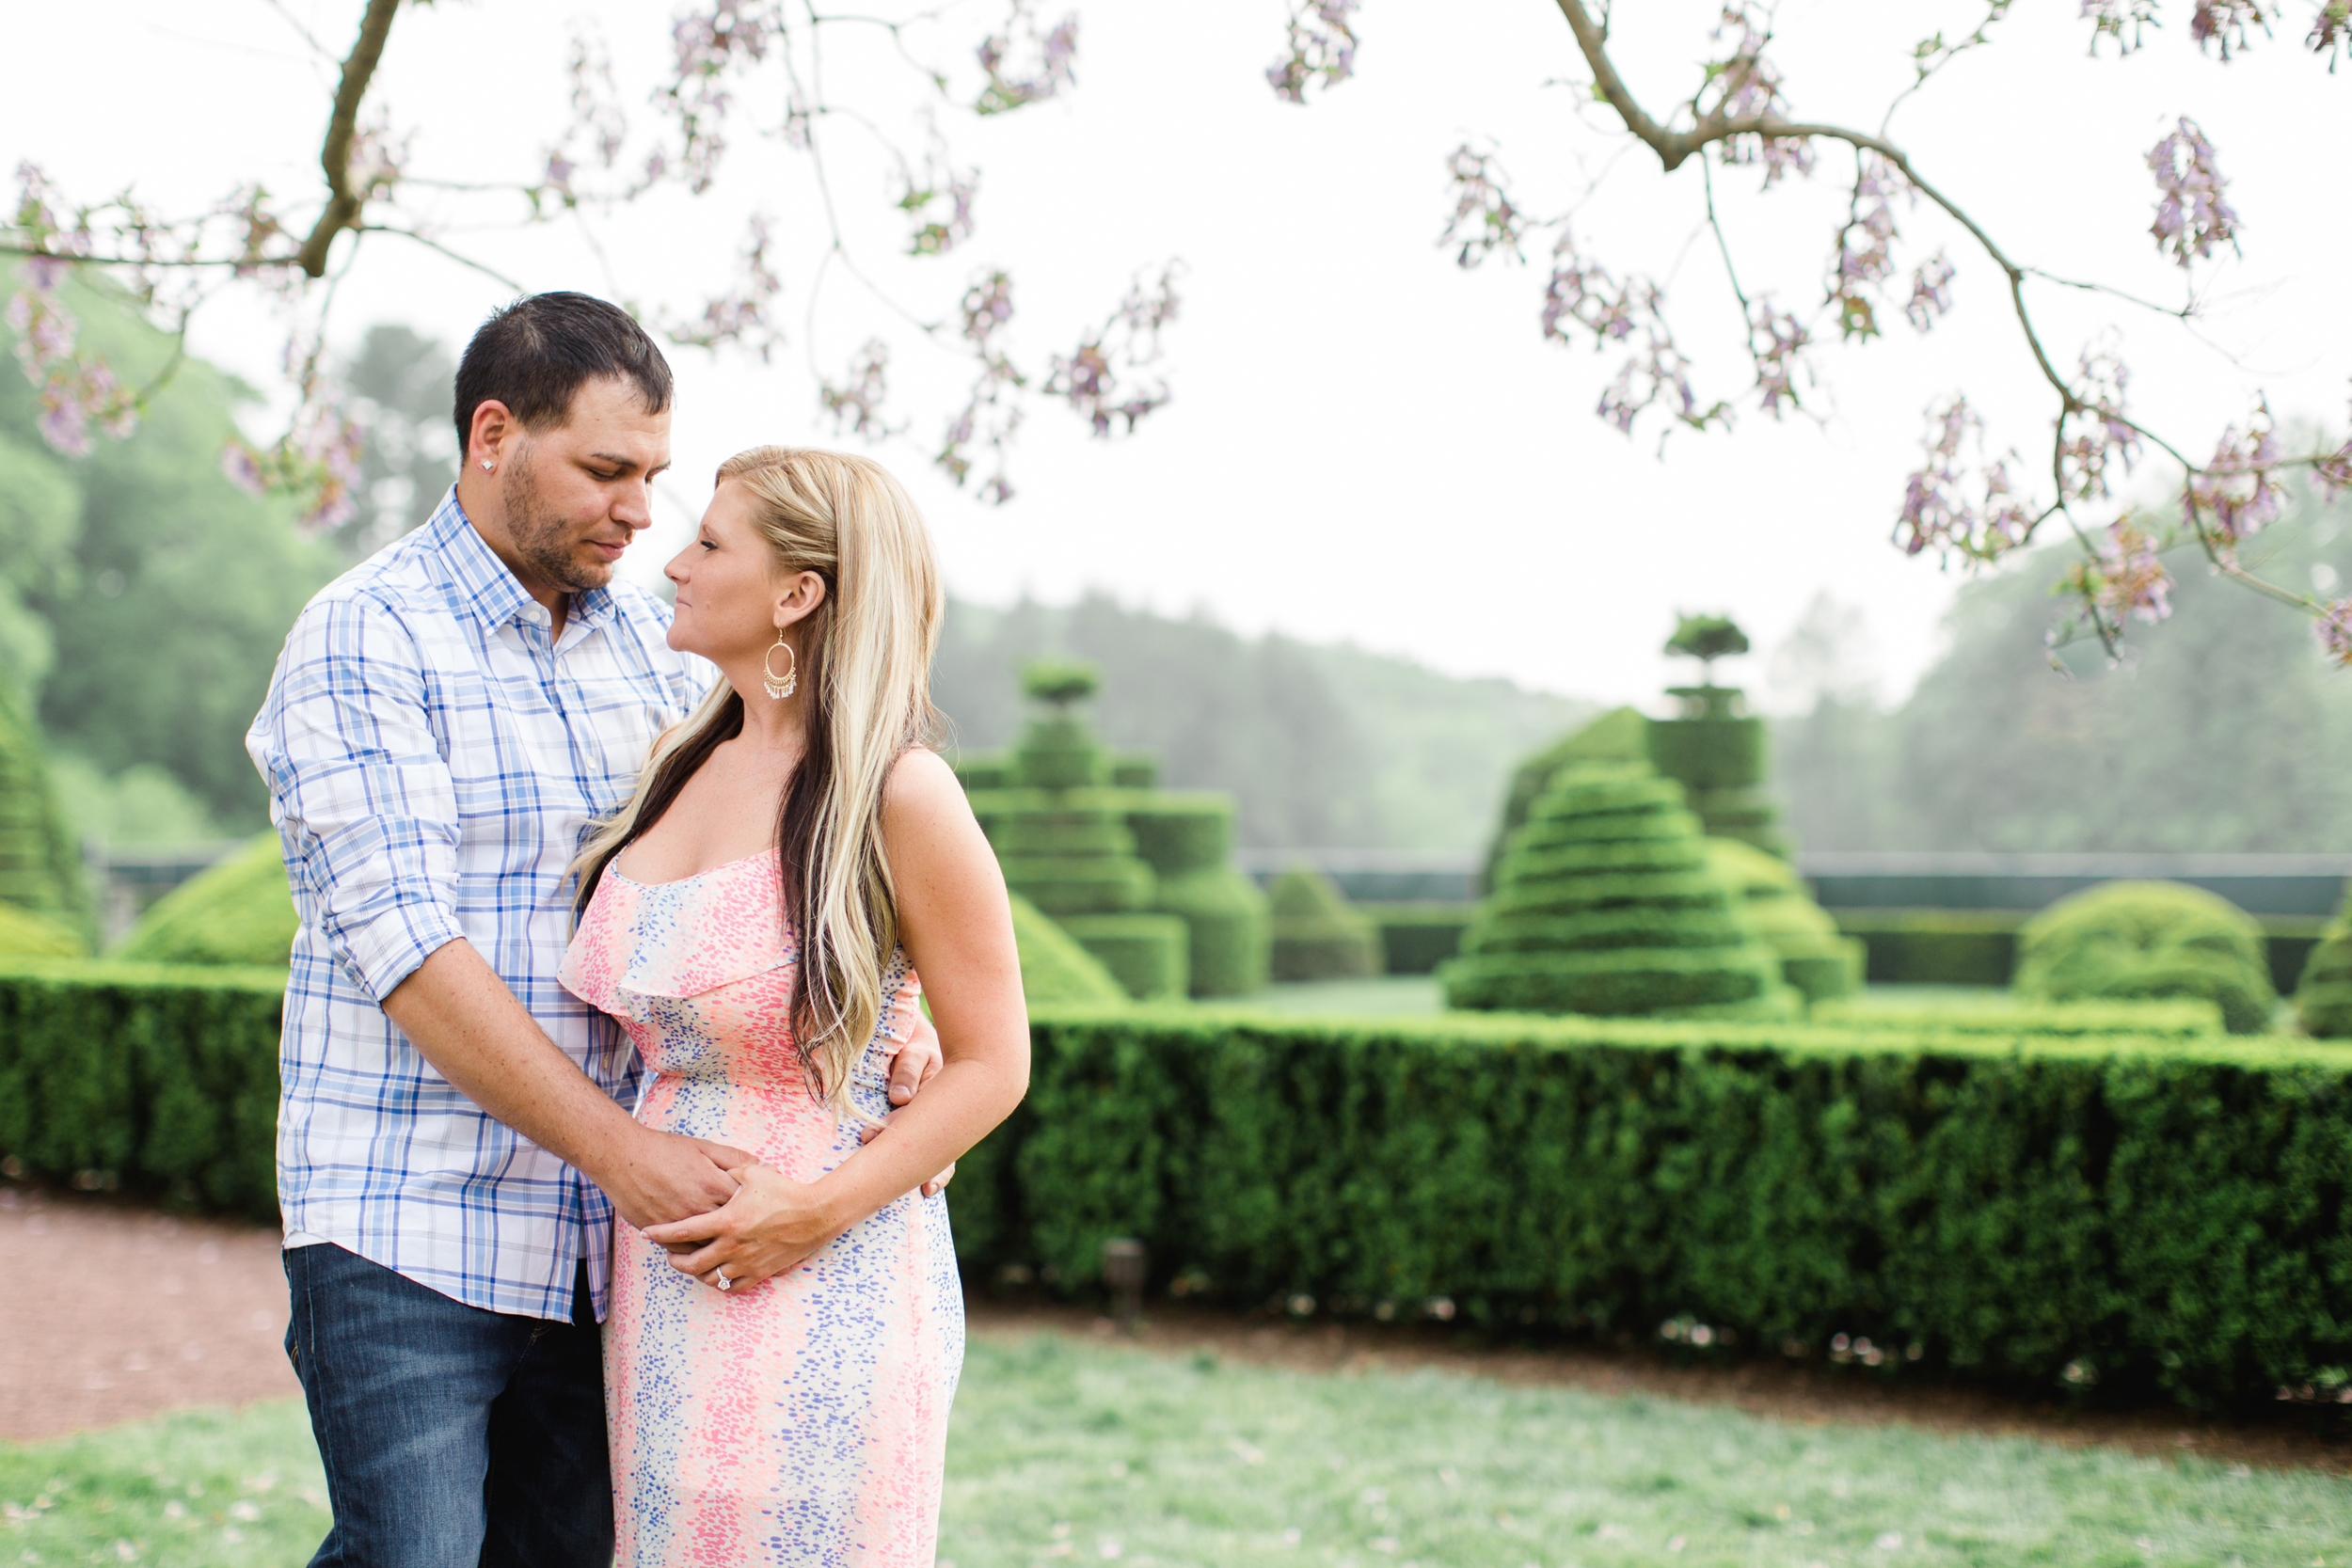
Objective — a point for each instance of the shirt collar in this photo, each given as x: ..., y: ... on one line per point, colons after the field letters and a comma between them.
x: 483, y: 580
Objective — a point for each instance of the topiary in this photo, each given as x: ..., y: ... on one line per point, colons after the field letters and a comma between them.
x: 2322, y: 998
x: 1716, y: 753
x: 1606, y: 903
x: 238, y: 912
x: 1316, y: 935
x: 1148, y: 955
x: 1707, y: 639
x: 1053, y: 968
x: 1621, y: 735
x: 1771, y: 901
x: 2149, y: 938
x: 40, y: 867
x: 1059, y: 682
x: 26, y: 935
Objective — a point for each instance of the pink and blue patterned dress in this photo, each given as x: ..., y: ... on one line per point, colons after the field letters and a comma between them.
x: 803, y: 1420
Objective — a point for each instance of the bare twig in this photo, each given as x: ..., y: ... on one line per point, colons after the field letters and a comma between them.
x: 342, y: 204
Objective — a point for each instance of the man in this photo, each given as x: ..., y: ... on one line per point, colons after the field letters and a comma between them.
x: 454, y: 1129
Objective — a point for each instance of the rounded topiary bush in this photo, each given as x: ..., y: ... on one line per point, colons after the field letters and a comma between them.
x: 1316, y: 935
x: 2149, y: 938
x: 2323, y: 997
x: 1605, y: 903
x: 1053, y: 968
x: 238, y: 912
x: 1771, y: 901
x: 26, y: 935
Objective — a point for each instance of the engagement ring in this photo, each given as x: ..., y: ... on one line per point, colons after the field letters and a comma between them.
x: 724, y: 1283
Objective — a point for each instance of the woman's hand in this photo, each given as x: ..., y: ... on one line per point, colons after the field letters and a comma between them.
x: 771, y: 1225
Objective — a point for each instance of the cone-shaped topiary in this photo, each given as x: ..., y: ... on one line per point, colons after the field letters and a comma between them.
x: 1053, y: 968
x: 26, y: 935
x: 1716, y: 753
x: 1316, y: 935
x: 1772, y: 902
x: 1621, y: 735
x: 2125, y: 940
x: 41, y: 867
x: 238, y: 912
x: 2322, y: 998
x: 1188, y: 841
x: 1605, y: 903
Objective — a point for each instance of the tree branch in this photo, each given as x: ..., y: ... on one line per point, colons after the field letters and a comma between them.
x: 342, y: 204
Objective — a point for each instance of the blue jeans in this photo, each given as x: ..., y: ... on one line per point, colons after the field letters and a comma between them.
x: 451, y: 1436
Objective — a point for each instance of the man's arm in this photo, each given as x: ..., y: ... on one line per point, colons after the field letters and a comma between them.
x: 357, y: 783
x: 462, y: 1017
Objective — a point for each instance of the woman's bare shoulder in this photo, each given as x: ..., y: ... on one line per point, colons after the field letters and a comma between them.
x: 921, y: 784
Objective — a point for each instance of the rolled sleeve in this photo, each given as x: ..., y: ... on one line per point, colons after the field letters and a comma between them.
x: 361, y: 793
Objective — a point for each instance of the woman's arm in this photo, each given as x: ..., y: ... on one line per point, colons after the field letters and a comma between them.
x: 956, y: 924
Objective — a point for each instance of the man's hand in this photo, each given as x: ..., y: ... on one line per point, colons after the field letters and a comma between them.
x: 660, y: 1177
x: 917, y: 1061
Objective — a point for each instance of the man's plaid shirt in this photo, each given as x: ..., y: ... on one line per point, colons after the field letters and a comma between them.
x: 433, y: 765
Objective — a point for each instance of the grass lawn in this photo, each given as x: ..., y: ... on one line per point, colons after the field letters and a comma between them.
x: 1092, y: 1453
x: 1372, y: 996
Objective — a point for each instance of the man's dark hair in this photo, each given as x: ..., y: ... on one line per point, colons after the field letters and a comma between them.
x: 533, y: 354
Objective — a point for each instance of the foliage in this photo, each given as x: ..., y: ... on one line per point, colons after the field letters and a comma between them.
x: 1991, y: 753
x: 26, y: 935
x: 1059, y: 682
x: 143, y: 804
x: 1770, y: 900
x: 1319, y: 746
x: 1935, y: 948
x: 1707, y: 639
x: 1978, y: 1011
x: 2149, y: 938
x: 161, y: 1076
x: 1718, y: 755
x: 1621, y: 735
x: 2138, y: 1212
x: 2323, y: 996
x: 1053, y: 968
x: 40, y: 865
x: 1605, y: 903
x: 166, y: 603
x: 238, y: 912
x: 1416, y: 938
x: 1149, y: 954
x: 1317, y: 934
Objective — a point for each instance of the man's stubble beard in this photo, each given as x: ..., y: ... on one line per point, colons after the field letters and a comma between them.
x: 542, y: 537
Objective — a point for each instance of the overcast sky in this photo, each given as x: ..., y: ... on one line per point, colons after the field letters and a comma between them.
x: 1365, y: 442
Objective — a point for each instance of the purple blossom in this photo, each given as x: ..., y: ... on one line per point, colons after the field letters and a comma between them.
x: 1583, y: 293
x: 2130, y: 581
x: 856, y: 404
x: 1748, y: 86
x: 42, y: 273
x: 2239, y: 490
x: 2096, y: 432
x: 1485, y: 219
x: 741, y: 314
x: 1931, y: 292
x: 938, y: 234
x: 1101, y: 380
x: 986, y: 306
x: 2330, y: 29
x: 2111, y: 18
x: 2227, y: 21
x: 1938, y: 513
x: 1865, y: 243
x: 2334, y: 631
x: 1774, y: 341
x: 1050, y: 59
x: 1322, y: 44
x: 2192, y: 214
x: 242, y: 467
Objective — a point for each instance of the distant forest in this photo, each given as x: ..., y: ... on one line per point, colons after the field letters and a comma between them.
x: 1324, y: 747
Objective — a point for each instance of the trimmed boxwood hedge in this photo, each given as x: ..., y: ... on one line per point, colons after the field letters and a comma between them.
x: 2158, y: 1211
x: 2156, y: 1214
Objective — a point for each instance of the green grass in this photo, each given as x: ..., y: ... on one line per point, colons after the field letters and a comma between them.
x: 1379, y: 996
x: 1089, y: 1452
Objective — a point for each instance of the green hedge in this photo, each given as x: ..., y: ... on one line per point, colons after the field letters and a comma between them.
x: 1416, y: 938
x: 1318, y: 935
x: 160, y: 1076
x: 1979, y: 947
x: 2156, y: 1214
x: 1149, y: 954
x: 2148, y: 939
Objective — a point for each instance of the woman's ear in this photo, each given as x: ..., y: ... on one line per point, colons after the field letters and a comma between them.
x: 800, y: 599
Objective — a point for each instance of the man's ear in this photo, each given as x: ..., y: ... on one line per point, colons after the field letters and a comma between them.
x: 491, y: 436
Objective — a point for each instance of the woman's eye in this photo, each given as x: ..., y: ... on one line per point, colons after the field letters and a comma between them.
x: 706, y: 543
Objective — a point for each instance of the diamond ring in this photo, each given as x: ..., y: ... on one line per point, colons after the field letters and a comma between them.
x: 724, y: 1283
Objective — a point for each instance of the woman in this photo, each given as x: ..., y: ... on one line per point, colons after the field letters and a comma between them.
x: 778, y: 1372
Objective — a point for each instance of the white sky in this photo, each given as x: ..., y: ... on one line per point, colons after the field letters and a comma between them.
x: 1366, y: 442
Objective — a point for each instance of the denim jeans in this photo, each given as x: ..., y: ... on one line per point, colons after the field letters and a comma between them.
x: 451, y: 1435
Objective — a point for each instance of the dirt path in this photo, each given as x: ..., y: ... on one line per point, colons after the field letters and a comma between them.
x: 109, y: 1312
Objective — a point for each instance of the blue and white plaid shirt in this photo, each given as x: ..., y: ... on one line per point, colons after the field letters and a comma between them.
x: 433, y: 765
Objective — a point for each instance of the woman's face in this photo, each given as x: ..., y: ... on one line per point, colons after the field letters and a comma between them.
x: 729, y: 596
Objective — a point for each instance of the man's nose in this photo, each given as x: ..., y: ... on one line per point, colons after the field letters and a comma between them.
x: 634, y: 509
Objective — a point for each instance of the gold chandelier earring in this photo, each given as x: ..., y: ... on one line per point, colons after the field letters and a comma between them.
x: 784, y: 685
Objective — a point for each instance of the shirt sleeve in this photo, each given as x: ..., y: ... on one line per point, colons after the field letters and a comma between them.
x: 362, y: 796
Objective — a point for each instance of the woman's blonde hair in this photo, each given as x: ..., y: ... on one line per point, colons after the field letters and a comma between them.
x: 864, y: 659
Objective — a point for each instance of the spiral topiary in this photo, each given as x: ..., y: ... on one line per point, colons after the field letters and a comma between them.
x: 1606, y: 904
x: 1772, y: 902
x: 2122, y: 940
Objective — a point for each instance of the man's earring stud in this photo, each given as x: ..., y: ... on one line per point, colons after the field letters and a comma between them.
x: 487, y: 465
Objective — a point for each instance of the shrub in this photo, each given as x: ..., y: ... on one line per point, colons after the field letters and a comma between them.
x: 1621, y: 735
x: 1606, y: 904
x: 1228, y: 930
x: 1416, y: 938
x: 1316, y: 935
x: 1053, y: 968
x: 2323, y: 997
x: 1935, y: 948
x: 40, y: 865
x: 24, y: 934
x: 2152, y: 1214
x: 238, y: 912
x: 1718, y: 755
x: 2149, y: 938
x: 1771, y: 902
x: 155, y: 1075
x: 1147, y: 954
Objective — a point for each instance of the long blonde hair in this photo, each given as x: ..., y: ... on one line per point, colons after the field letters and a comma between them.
x: 864, y: 659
